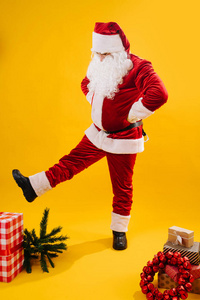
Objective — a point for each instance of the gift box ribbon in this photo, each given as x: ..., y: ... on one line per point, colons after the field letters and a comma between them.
x: 10, y: 251
x: 179, y: 239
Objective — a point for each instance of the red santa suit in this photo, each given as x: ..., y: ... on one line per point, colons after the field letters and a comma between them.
x: 110, y: 135
x: 140, y: 94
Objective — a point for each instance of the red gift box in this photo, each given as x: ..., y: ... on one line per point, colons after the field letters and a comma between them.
x: 11, y: 250
x: 173, y: 272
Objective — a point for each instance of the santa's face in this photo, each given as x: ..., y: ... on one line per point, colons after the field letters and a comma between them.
x: 106, y: 72
x: 102, y: 55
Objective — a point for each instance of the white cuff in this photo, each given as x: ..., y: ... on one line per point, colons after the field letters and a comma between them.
x: 40, y: 183
x: 138, y: 111
x: 119, y: 223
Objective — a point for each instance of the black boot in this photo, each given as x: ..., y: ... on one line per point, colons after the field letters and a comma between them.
x: 119, y: 240
x: 24, y: 184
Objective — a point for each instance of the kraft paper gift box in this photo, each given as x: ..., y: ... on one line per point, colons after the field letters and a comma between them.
x: 182, y: 236
x: 172, y: 272
x: 165, y: 282
x: 11, y: 250
x: 192, y: 253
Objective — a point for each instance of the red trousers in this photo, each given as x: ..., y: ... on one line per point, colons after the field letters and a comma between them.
x: 120, y: 168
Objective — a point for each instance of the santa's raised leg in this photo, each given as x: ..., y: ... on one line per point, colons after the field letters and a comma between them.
x: 81, y: 157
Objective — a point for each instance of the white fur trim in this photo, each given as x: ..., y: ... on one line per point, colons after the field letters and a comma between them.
x: 119, y: 223
x: 106, y: 43
x: 97, y: 105
x: 89, y: 97
x: 119, y: 146
x: 40, y: 183
x: 138, y: 111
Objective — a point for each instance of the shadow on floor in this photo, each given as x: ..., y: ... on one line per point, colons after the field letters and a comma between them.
x: 77, y: 251
x: 62, y: 263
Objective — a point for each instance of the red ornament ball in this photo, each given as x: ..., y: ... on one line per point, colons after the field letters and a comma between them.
x: 188, y: 287
x: 145, y: 289
x: 150, y: 296
x: 183, y: 295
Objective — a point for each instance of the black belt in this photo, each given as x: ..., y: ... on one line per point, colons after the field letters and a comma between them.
x: 132, y: 125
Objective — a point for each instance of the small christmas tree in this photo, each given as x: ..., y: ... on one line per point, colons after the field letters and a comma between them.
x: 45, y: 246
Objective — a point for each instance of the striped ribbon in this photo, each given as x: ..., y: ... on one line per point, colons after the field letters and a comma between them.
x: 192, y: 255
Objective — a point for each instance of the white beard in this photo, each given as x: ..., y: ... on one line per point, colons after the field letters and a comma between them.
x: 106, y: 75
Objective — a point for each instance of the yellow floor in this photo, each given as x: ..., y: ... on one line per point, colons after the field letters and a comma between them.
x: 90, y: 268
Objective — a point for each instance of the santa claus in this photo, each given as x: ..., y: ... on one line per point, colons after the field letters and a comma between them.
x: 122, y: 89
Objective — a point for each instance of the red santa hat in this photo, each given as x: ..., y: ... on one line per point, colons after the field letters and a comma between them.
x: 108, y: 38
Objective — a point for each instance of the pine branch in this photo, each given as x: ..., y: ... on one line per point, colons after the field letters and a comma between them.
x: 53, y: 232
x: 55, y: 247
x: 26, y: 245
x: 54, y: 239
x: 33, y: 250
x: 40, y: 247
x: 44, y: 246
x: 34, y: 256
x: 27, y: 263
x: 50, y: 261
x: 35, y: 238
x: 52, y: 254
x: 28, y: 236
x: 56, y: 251
x: 43, y: 223
x: 43, y: 263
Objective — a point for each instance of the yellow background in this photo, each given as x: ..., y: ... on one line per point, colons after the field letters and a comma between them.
x: 44, y: 54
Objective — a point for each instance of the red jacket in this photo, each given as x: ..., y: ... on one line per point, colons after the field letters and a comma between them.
x: 140, y: 94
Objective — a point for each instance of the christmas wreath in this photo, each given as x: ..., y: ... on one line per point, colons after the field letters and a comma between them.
x: 159, y: 262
